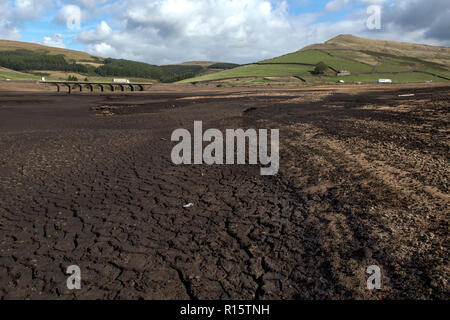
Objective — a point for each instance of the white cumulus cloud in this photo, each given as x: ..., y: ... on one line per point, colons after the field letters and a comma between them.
x: 167, y: 31
x: 101, y: 33
x: 8, y: 30
x: 27, y: 10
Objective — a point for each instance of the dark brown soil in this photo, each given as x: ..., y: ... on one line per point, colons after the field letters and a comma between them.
x: 87, y: 180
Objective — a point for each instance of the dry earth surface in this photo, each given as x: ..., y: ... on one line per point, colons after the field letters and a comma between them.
x: 86, y: 179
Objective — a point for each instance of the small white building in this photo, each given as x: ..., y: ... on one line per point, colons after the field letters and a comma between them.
x: 121, y: 80
x: 43, y: 79
x: 384, y: 81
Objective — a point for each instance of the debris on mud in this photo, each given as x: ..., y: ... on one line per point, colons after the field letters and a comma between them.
x: 109, y: 110
x: 188, y: 205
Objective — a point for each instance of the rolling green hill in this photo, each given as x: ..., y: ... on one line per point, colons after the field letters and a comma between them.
x: 23, y: 60
x: 366, y: 60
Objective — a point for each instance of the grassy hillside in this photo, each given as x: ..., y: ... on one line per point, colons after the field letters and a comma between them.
x: 254, y: 70
x: 23, y: 60
x: 351, y: 43
x: 15, y: 75
x: 367, y: 61
x: 69, y: 55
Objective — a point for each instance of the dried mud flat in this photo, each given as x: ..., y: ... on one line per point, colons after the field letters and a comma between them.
x: 87, y: 180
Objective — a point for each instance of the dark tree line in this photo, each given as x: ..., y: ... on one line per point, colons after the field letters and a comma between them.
x: 223, y: 65
x: 128, y: 68
x: 26, y: 60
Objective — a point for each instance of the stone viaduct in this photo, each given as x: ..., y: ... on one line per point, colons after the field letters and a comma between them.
x: 90, y: 86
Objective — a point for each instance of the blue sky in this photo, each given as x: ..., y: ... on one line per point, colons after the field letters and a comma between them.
x: 169, y: 31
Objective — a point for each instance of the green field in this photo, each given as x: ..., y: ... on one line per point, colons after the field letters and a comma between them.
x: 315, y: 56
x: 255, y: 70
x: 13, y: 75
x: 443, y: 73
x: 409, y: 77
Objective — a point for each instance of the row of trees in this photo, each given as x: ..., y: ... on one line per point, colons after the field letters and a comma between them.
x: 223, y: 65
x: 128, y: 68
x: 26, y: 60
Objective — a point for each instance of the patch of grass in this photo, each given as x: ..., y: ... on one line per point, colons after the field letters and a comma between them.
x: 408, y: 60
x: 14, y: 75
x: 313, y: 57
x: 255, y: 70
x: 357, y: 56
x: 309, y: 57
x: 393, y: 65
x: 442, y: 73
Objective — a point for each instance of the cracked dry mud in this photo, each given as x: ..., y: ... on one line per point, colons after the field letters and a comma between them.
x: 87, y: 180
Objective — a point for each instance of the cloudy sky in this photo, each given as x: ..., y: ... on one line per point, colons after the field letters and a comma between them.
x: 241, y: 31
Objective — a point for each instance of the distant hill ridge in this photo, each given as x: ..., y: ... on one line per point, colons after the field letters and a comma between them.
x: 70, y: 55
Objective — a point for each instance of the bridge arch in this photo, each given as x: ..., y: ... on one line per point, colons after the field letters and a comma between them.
x: 69, y: 86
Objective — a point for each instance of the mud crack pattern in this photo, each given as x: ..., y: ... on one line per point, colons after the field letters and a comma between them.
x: 363, y: 180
